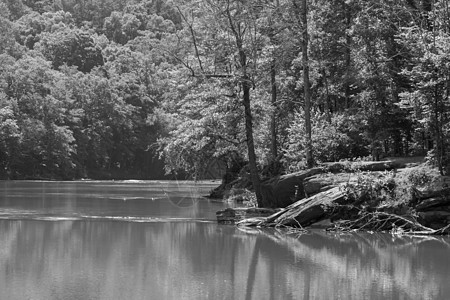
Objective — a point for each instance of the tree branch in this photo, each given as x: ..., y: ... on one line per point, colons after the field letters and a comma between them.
x: 194, y: 39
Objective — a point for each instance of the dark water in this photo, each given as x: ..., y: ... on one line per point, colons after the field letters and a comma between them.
x: 158, y: 240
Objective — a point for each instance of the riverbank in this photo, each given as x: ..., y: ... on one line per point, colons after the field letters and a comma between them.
x: 405, y: 197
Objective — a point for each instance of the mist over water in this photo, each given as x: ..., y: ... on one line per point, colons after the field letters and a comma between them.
x: 158, y: 240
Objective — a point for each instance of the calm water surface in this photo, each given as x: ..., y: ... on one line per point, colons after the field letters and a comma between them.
x: 158, y: 240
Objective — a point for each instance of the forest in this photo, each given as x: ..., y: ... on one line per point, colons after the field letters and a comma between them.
x: 107, y: 88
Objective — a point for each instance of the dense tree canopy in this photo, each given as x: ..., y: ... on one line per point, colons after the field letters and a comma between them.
x: 102, y: 88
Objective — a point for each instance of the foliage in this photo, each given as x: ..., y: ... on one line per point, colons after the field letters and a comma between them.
x: 7, y: 31
x: 208, y: 126
x: 33, y: 24
x: 332, y: 140
x: 427, y: 98
x: 121, y: 27
x: 241, y: 195
x: 372, y: 189
x: 96, y: 87
x: 390, y: 190
x: 71, y: 47
x: 422, y: 176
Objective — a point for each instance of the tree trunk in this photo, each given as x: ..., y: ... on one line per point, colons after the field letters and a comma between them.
x: 250, y: 143
x: 348, y: 41
x: 326, y: 102
x: 249, y: 124
x: 245, y: 83
x: 306, y: 83
x: 273, y: 121
x: 438, y: 132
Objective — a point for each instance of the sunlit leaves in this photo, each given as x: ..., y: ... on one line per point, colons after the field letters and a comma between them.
x: 429, y: 73
x: 7, y: 30
x: 121, y: 27
x: 33, y: 24
x: 74, y: 47
x: 208, y: 126
x: 331, y: 141
x: 46, y: 144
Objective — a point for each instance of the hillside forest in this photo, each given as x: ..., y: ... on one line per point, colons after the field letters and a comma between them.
x: 106, y: 88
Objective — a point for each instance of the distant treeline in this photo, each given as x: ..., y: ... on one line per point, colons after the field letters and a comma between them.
x: 102, y: 88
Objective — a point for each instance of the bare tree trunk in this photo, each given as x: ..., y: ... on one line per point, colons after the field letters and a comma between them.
x: 438, y: 132
x: 250, y: 143
x: 348, y: 41
x: 326, y: 102
x: 273, y: 121
x: 306, y: 83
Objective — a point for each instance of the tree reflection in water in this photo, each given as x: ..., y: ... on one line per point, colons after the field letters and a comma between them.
x: 192, y: 260
x: 363, y: 265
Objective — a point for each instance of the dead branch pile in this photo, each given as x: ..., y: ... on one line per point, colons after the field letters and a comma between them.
x: 352, y: 209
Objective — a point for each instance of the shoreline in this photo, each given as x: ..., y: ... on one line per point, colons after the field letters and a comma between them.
x: 407, y: 200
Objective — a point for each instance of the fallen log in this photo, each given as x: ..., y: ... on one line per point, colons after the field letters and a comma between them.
x: 433, y: 204
x: 371, y: 166
x: 361, y: 202
x: 440, y: 193
x: 303, y: 212
x: 310, y: 210
x: 334, y: 204
x: 322, y: 182
x: 284, y: 190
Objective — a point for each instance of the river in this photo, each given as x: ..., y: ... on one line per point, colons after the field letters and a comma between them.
x: 159, y: 240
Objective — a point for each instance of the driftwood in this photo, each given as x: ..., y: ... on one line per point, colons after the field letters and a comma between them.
x: 383, y: 221
x: 303, y: 212
x: 333, y: 204
x: 311, y: 196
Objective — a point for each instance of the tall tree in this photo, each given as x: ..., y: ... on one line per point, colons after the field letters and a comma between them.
x: 306, y: 82
x: 238, y: 28
x: 236, y: 31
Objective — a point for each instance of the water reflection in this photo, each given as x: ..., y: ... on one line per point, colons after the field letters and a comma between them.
x: 126, y: 260
x: 96, y: 258
x: 361, y: 266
